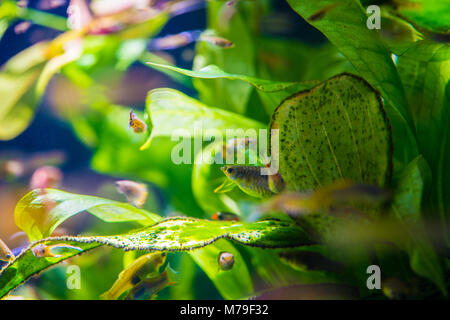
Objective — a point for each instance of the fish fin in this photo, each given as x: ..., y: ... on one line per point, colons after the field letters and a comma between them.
x: 226, y: 186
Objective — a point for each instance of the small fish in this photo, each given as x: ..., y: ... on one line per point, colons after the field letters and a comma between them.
x: 5, y: 252
x: 22, y: 27
x: 249, y: 179
x: 46, y: 177
x: 144, y: 267
x: 13, y: 168
x: 174, y: 41
x: 136, y: 193
x: 137, y: 124
x: 239, y: 149
x: 53, y: 251
x: 226, y: 186
x: 50, y: 4
x: 328, y: 198
x: 225, y: 216
x: 226, y: 261
x: 322, y: 12
x: 149, y: 287
x: 217, y: 41
x: 22, y: 3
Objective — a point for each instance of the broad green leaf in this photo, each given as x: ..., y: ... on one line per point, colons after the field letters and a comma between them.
x: 8, y: 13
x: 271, y: 92
x: 346, y: 27
x: 183, y: 233
x: 425, y: 71
x: 412, y: 184
x: 336, y: 130
x: 235, y: 283
x: 432, y: 15
x: 175, y: 234
x: 41, y: 211
x: 171, y: 111
x: 116, y: 153
x: 214, y: 72
x: 17, y: 82
x: 175, y: 76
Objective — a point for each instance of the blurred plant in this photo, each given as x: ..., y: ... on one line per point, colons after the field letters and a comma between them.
x: 362, y: 113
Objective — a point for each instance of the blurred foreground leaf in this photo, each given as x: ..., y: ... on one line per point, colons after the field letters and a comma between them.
x: 17, y: 88
x: 41, y: 211
x: 175, y: 234
x: 415, y: 180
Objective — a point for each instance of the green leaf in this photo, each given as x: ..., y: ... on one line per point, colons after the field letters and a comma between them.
x: 214, y: 72
x: 336, y: 130
x: 271, y: 92
x: 17, y: 88
x: 425, y: 71
x: 27, y: 265
x: 227, y: 94
x: 175, y: 234
x: 171, y: 110
x: 413, y: 182
x: 41, y: 211
x: 432, y: 15
x: 345, y: 26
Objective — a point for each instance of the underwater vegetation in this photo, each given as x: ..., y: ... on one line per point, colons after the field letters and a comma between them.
x: 289, y: 149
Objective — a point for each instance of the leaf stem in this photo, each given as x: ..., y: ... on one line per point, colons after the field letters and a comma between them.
x: 43, y: 18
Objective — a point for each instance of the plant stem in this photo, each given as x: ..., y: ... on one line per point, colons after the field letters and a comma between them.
x: 43, y: 18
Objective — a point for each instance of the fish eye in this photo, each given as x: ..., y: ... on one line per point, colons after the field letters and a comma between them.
x: 230, y: 170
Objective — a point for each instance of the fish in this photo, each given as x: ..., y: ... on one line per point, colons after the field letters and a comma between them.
x: 137, y: 124
x: 149, y: 287
x: 136, y: 193
x: 276, y: 182
x: 146, y: 266
x: 5, y: 252
x: 239, y: 149
x: 52, y: 251
x: 226, y: 186
x: 249, y: 179
x: 50, y: 4
x: 326, y: 199
x: 46, y: 177
x: 217, y: 41
x: 225, y: 216
x: 226, y: 261
x: 174, y: 41
x: 322, y: 12
x: 22, y: 27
